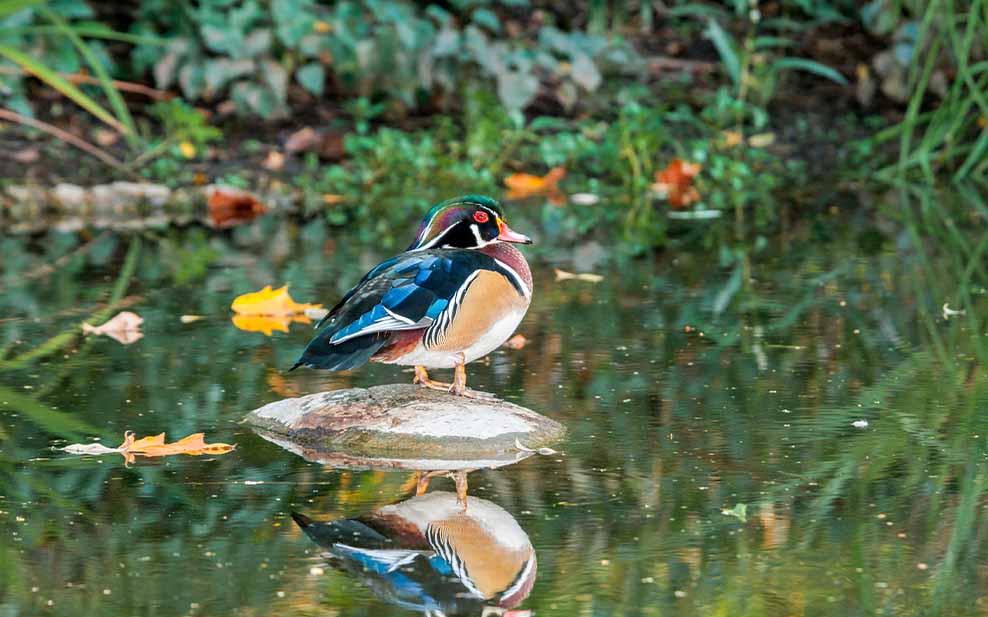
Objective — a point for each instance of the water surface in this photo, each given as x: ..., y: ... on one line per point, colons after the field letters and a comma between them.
x: 788, y: 428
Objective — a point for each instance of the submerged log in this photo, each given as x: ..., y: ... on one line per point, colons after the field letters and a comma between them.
x: 403, y: 427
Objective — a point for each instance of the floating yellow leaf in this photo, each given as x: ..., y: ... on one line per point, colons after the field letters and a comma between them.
x: 270, y: 302
x: 266, y: 324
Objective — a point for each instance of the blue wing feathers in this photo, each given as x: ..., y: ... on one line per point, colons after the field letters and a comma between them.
x: 415, y: 287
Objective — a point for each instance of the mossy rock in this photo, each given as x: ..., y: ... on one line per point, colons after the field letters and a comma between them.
x: 404, y: 427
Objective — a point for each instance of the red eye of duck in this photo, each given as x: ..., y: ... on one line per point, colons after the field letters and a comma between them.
x: 480, y: 216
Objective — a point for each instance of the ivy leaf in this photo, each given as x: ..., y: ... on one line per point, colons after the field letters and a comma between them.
x: 276, y: 77
x: 312, y: 77
x: 585, y: 73
x: 516, y: 89
x: 192, y: 79
x: 258, y: 43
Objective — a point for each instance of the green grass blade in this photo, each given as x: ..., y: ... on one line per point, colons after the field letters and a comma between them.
x: 112, y: 95
x: 726, y: 49
x: 9, y: 7
x: 92, y: 31
x: 51, y: 420
x: 61, y: 84
x: 810, y: 66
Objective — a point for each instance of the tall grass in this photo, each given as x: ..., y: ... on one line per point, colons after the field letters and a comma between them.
x: 947, y: 136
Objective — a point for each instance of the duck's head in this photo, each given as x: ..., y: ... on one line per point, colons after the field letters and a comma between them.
x: 468, y: 222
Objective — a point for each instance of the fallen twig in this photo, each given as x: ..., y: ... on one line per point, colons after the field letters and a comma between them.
x: 662, y: 64
x: 83, y: 78
x: 78, y: 142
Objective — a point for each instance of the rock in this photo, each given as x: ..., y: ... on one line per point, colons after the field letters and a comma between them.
x: 403, y: 427
x: 70, y: 197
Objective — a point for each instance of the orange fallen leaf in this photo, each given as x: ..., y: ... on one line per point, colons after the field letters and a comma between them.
x: 229, y: 206
x: 271, y: 302
x: 155, y: 445
x: 333, y: 199
x: 267, y: 324
x: 675, y: 183
x: 517, y: 341
x: 194, y: 445
x: 522, y: 185
x: 124, y: 327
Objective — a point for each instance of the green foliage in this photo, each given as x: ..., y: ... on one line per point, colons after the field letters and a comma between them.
x: 391, y: 176
x: 931, y: 39
x: 252, y: 51
x: 45, y: 52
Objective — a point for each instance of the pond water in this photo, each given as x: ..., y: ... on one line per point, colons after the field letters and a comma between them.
x: 795, y: 428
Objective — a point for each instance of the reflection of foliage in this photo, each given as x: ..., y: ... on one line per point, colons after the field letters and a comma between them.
x: 669, y: 429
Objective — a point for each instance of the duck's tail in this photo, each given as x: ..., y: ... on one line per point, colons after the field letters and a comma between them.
x: 351, y: 353
x: 351, y: 532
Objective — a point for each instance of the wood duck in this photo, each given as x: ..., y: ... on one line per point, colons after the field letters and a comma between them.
x: 431, y: 555
x: 456, y: 294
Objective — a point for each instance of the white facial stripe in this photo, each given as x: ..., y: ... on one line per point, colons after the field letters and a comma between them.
x: 434, y: 241
x: 476, y: 234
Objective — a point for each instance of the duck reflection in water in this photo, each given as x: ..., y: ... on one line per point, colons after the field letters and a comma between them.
x: 430, y: 554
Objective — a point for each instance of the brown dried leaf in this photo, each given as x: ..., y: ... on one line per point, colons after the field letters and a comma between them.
x: 327, y: 144
x: 124, y: 327
x: 675, y: 183
x: 152, y: 446
x: 229, y: 207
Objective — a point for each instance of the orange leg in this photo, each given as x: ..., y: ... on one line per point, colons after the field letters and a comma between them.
x: 422, y: 379
x: 461, y: 487
x: 424, y: 477
x: 459, y: 386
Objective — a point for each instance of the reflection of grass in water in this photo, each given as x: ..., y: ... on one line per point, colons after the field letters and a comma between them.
x: 51, y: 420
x: 60, y: 341
x: 917, y: 463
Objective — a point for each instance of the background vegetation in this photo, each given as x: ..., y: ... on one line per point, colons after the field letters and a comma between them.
x: 778, y: 101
